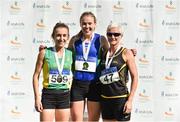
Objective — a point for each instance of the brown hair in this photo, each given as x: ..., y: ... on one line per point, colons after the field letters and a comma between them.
x: 61, y: 25
x: 88, y: 13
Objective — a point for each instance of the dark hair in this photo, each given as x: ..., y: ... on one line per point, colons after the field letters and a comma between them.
x: 88, y: 13
x: 61, y: 25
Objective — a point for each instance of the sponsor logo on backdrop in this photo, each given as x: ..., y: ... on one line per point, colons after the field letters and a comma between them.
x: 41, y: 41
x: 15, y: 8
x: 67, y: 6
x: 144, y: 60
x: 144, y: 42
x: 145, y: 77
x: 15, y: 60
x: 14, y: 43
x: 170, y: 6
x: 169, y: 77
x: 144, y: 112
x: 170, y: 24
x: 41, y: 7
x: 15, y: 112
x: 144, y: 24
x: 169, y: 112
x: 117, y: 7
x: 143, y: 5
x: 70, y: 24
x: 143, y: 96
x: 170, y: 60
x: 170, y: 42
x: 15, y: 25
x: 17, y: 94
x: 170, y: 95
x: 91, y: 6
x: 15, y: 76
x: 40, y: 24
x: 122, y: 24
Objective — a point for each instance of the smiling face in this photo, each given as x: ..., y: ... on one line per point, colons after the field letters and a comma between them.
x: 88, y: 25
x: 61, y: 36
x: 114, y: 35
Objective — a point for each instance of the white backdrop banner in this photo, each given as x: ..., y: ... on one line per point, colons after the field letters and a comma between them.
x: 150, y: 26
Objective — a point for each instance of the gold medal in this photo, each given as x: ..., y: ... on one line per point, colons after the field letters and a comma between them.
x: 85, y: 66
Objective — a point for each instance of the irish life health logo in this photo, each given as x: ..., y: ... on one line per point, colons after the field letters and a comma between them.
x: 15, y: 24
x: 171, y: 24
x: 15, y: 59
x: 143, y: 5
x: 173, y: 95
x: 170, y: 60
x: 41, y: 6
x: 92, y: 6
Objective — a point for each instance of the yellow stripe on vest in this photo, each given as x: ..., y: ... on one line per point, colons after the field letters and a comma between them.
x: 109, y: 97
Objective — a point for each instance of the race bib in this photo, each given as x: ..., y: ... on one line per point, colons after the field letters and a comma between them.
x: 85, y: 66
x: 64, y: 78
x: 109, y: 76
x: 59, y: 79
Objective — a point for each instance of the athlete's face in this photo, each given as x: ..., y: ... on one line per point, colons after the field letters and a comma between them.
x: 61, y: 36
x: 114, y: 36
x: 88, y: 25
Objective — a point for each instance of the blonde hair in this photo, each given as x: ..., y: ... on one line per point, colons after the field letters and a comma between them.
x: 115, y: 25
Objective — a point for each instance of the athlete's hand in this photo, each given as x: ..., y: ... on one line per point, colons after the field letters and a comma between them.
x: 127, y: 107
x: 38, y: 105
x: 134, y: 51
x: 41, y: 47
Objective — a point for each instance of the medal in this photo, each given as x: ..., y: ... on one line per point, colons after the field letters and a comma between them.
x: 60, y: 66
x: 59, y: 78
x: 85, y: 66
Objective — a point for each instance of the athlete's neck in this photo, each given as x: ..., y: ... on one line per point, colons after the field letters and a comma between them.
x: 59, y: 51
x: 113, y: 49
x: 87, y: 37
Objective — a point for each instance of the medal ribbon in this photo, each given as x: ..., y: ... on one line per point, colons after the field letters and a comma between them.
x: 60, y: 67
x: 108, y: 62
x: 86, y: 52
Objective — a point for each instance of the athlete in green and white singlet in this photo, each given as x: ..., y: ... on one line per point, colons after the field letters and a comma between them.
x: 52, y: 78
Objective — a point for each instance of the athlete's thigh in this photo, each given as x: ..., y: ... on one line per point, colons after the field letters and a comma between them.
x: 47, y: 115
x: 94, y: 110
x: 77, y: 110
x: 62, y: 114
